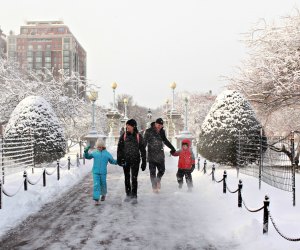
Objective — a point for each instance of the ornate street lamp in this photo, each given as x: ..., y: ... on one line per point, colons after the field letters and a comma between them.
x: 125, y: 106
x: 173, y: 87
x: 149, y: 116
x: 114, y: 86
x: 186, y: 112
x: 93, y: 96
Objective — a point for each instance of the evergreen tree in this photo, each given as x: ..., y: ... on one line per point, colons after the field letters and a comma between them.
x: 35, y: 116
x: 230, y: 116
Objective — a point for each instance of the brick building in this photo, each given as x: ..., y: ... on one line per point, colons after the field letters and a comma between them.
x: 47, y: 44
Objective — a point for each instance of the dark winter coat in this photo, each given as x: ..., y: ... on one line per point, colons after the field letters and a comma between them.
x: 155, y: 142
x: 132, y: 149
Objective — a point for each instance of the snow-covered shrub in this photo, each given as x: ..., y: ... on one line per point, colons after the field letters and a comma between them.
x: 230, y: 116
x: 35, y: 116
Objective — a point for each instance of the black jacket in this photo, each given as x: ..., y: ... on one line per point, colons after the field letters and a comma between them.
x: 155, y: 140
x: 132, y: 149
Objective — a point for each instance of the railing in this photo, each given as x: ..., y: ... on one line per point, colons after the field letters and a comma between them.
x: 45, y: 172
x: 264, y: 207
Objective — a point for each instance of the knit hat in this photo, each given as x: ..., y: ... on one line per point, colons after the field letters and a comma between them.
x: 132, y: 123
x: 100, y: 143
x: 159, y: 121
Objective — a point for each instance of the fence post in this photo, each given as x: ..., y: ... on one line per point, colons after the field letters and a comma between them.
x: 198, y: 163
x: 80, y: 152
x: 260, y: 159
x: 266, y: 215
x: 77, y: 160
x: 83, y: 160
x: 204, y: 167
x: 3, y: 175
x: 58, y: 174
x: 293, y: 167
x: 240, y: 185
x: 69, y: 162
x: 25, y: 180
x: 224, y: 182
x: 0, y: 194
x: 2, y: 159
x: 213, y: 173
x: 44, y: 178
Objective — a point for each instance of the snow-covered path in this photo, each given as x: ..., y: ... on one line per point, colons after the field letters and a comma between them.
x: 168, y: 220
x: 173, y: 219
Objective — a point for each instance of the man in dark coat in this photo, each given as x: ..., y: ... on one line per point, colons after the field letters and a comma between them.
x: 155, y: 139
x: 130, y: 150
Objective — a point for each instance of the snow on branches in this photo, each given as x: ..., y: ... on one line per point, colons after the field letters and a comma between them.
x: 270, y: 77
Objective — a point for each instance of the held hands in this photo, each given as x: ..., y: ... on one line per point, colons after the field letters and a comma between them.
x: 172, y: 152
x: 143, y: 165
x: 121, y: 162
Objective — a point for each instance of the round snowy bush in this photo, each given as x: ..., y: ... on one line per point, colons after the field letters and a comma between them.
x: 35, y: 117
x: 230, y: 116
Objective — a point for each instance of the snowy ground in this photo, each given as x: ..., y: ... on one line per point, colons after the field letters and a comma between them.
x: 173, y: 219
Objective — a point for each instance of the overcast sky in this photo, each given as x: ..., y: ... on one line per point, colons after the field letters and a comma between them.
x: 146, y: 45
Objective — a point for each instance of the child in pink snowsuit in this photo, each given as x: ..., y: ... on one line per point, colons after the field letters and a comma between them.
x: 186, y: 164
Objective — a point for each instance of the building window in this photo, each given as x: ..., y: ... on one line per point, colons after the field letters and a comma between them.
x: 48, y: 47
x: 38, y: 53
x: 66, y: 53
x: 61, y: 30
x: 47, y: 53
x: 48, y: 65
x: 38, y: 59
x: 38, y: 65
x: 66, y: 65
x: 66, y: 59
x: 66, y: 46
x: 30, y: 47
x: 47, y: 59
x: 39, y: 47
x: 29, y: 59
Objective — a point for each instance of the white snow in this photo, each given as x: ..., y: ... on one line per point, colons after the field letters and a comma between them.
x: 203, y: 219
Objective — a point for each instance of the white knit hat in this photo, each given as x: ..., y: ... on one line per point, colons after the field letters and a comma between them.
x: 100, y: 143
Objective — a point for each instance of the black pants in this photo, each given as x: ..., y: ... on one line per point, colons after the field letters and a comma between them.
x: 188, y: 177
x: 160, y: 172
x: 131, y: 188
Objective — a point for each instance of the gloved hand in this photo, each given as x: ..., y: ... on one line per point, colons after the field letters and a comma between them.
x: 121, y: 162
x: 193, y: 167
x: 172, y: 152
x: 86, y: 149
x: 143, y: 165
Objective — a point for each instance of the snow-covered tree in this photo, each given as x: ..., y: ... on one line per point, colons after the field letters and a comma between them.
x: 230, y: 116
x: 35, y: 116
x: 270, y: 77
x: 66, y: 94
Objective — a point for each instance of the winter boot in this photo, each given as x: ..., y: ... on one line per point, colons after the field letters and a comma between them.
x: 180, y: 186
x: 158, y: 185
x: 127, y: 198
x: 103, y: 198
x: 134, y: 199
x: 97, y: 202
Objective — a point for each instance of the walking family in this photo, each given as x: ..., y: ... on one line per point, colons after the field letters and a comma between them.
x: 131, y: 155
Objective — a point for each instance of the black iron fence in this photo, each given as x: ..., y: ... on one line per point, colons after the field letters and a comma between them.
x: 241, y: 202
x: 50, y: 170
x: 273, y: 160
